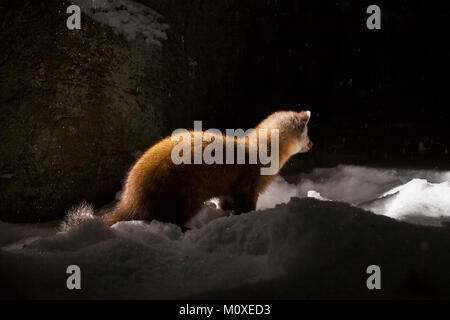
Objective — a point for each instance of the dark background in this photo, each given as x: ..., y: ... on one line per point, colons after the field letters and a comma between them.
x: 375, y: 94
x: 378, y: 97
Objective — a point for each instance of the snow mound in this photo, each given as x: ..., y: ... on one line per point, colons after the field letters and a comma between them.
x: 127, y: 17
x: 416, y: 196
x: 294, y: 250
x: 295, y: 245
x: 416, y: 201
x: 357, y: 184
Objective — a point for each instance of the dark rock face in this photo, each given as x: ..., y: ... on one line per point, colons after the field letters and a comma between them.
x: 75, y: 107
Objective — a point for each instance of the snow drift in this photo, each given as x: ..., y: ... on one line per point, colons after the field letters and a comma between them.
x: 288, y: 248
x: 416, y: 196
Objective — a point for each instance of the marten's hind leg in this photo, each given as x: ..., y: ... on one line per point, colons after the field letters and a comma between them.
x: 121, y: 213
x: 176, y: 209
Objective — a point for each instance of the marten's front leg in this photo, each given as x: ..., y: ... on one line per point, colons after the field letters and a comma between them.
x: 244, y: 202
x: 226, y: 203
x: 238, y: 203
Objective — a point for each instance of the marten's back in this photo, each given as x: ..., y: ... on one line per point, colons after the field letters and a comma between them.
x: 156, y: 168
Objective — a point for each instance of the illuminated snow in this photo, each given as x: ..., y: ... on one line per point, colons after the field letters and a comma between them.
x: 417, y: 196
x: 292, y: 246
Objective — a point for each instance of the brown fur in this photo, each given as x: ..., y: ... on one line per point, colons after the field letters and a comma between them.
x: 156, y: 188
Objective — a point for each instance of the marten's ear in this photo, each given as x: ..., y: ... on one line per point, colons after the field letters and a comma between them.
x: 305, y: 115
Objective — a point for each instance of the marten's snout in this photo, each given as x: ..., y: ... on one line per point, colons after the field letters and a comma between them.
x: 305, y: 146
x: 308, y: 146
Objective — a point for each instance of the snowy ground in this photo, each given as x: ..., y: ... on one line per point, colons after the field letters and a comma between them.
x: 288, y: 248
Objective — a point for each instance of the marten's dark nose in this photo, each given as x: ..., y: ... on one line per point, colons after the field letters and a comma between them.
x: 310, y: 144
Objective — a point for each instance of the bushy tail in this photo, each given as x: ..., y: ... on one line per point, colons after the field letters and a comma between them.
x: 85, y: 211
x: 76, y: 216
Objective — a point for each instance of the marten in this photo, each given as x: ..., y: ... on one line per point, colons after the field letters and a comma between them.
x: 157, y: 188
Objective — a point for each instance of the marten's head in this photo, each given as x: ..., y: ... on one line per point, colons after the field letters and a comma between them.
x: 293, y: 130
x: 301, y: 119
